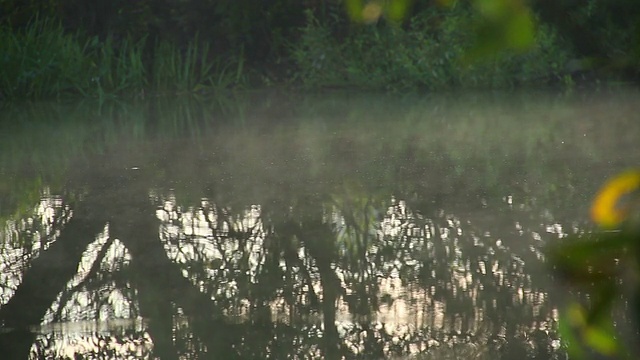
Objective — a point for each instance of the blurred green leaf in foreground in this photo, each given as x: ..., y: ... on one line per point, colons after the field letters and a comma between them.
x: 499, y: 24
x: 603, y: 267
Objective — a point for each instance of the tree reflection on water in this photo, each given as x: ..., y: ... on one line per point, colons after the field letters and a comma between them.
x: 347, y: 278
x: 311, y: 240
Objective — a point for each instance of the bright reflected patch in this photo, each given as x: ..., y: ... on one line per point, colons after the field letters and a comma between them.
x: 611, y: 206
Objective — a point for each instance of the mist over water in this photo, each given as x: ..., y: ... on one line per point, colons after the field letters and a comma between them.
x: 287, y: 226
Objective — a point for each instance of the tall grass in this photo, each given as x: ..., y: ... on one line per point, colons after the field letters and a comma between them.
x: 43, y: 61
x: 118, y: 67
x: 186, y: 72
x: 40, y: 60
x: 191, y: 69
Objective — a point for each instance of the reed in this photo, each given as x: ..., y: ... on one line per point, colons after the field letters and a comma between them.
x: 175, y: 70
x: 193, y: 69
x: 119, y: 68
x: 43, y: 61
x: 40, y: 60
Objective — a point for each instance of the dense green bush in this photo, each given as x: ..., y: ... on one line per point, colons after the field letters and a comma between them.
x: 608, y: 30
x: 428, y: 53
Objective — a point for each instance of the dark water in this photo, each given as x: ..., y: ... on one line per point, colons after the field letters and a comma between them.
x: 289, y: 227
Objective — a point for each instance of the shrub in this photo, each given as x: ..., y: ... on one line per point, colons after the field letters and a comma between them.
x: 427, y: 53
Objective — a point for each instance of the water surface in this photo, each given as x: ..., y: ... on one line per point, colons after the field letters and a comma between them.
x: 291, y: 227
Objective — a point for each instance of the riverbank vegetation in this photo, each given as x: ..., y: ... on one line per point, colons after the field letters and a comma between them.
x: 421, y: 56
x: 43, y: 60
x: 120, y: 48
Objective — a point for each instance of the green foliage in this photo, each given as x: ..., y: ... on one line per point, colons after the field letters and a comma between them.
x: 318, y: 55
x: 605, y: 35
x: 372, y: 11
x: 39, y: 61
x: 114, y: 68
x: 604, y: 266
x: 428, y: 53
x: 136, y: 47
x: 42, y: 60
x: 501, y: 24
x: 600, y: 266
x: 544, y: 61
x: 193, y: 70
x: 415, y: 44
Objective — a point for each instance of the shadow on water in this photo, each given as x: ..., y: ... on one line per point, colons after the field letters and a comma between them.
x: 333, y: 227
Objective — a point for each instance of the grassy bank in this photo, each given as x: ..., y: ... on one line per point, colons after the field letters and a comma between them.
x: 44, y: 61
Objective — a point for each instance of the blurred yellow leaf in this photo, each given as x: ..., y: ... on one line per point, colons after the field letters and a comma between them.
x: 371, y: 11
x: 610, y: 206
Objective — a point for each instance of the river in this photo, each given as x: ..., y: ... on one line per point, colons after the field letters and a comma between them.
x: 290, y: 226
